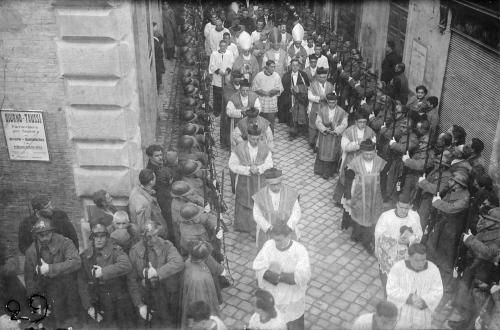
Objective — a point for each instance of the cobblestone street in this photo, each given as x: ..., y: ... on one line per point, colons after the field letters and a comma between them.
x: 345, y: 281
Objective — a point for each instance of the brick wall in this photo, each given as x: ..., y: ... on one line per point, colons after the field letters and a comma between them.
x: 32, y: 81
x: 89, y: 67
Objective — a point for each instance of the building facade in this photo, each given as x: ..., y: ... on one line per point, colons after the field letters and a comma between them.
x: 89, y: 66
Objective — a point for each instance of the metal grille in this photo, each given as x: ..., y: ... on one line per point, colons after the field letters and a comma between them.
x: 470, y: 96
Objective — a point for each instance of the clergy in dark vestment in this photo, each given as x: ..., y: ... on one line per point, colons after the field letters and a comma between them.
x: 249, y: 160
x: 317, y: 97
x: 275, y: 203
x: 331, y: 123
x: 363, y: 197
x: 351, y: 140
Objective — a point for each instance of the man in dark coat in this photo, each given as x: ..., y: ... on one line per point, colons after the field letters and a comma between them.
x: 398, y: 86
x: 102, y: 281
x: 295, y: 86
x: 389, y: 62
x: 50, y: 268
x: 62, y: 225
x: 158, y: 48
x: 164, y: 178
x: 452, y: 212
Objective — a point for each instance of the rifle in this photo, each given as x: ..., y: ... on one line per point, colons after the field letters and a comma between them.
x: 95, y: 286
x: 418, y: 196
x: 432, y: 216
x: 459, y: 263
x: 402, y: 177
x: 147, y: 282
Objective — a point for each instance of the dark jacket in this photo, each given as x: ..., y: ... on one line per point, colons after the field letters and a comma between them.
x: 60, y: 222
x: 388, y: 65
x: 115, y: 266
x: 398, y: 88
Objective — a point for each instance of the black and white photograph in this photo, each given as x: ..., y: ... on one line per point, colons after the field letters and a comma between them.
x: 250, y: 165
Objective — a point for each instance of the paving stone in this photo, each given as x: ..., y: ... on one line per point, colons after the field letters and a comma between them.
x: 345, y: 279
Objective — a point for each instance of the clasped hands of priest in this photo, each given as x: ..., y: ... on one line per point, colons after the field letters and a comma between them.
x: 415, y: 300
x: 254, y: 169
x: 274, y: 275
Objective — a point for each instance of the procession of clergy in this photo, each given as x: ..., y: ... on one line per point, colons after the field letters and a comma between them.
x: 383, y: 147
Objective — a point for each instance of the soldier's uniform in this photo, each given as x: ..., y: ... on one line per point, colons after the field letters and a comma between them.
x: 182, y: 194
x: 58, y: 285
x: 107, y: 294
x: 164, y: 297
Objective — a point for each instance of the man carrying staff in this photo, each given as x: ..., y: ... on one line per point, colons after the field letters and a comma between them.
x: 249, y: 161
x: 331, y: 123
x: 275, y: 203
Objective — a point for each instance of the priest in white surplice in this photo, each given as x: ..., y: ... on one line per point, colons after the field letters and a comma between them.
x: 395, y: 230
x: 282, y: 268
x: 275, y: 203
x: 415, y: 287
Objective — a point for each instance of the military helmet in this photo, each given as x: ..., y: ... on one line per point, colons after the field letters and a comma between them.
x: 42, y: 225
x: 171, y: 158
x: 189, y: 129
x: 461, y: 178
x: 188, y: 116
x: 190, y: 211
x: 190, y: 166
x: 186, y: 142
x: 189, y: 101
x: 189, y: 88
x: 98, y: 228
x: 180, y: 188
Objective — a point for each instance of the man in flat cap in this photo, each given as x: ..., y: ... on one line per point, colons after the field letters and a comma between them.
x: 249, y: 160
x: 60, y: 221
x: 331, y: 123
x: 363, y: 197
x: 275, y: 203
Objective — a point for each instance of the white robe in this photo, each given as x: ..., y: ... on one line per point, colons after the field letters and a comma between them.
x: 403, y: 281
x: 290, y: 300
x: 387, y: 232
x: 277, y: 323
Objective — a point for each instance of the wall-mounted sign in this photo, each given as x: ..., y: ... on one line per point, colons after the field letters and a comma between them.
x: 25, y: 135
x: 417, y: 65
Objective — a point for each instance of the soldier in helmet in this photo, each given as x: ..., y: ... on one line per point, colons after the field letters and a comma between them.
x: 451, y: 216
x: 60, y: 221
x: 157, y: 299
x: 102, y: 281
x: 49, y: 269
x: 190, y: 148
x: 182, y: 194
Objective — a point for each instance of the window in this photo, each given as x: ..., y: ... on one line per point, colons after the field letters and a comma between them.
x: 479, y: 23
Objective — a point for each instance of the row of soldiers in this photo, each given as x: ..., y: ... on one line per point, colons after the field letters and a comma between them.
x: 147, y: 263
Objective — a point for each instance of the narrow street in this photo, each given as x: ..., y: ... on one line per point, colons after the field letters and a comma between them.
x: 345, y: 281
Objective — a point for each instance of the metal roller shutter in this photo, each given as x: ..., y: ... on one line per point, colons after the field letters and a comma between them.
x: 471, y: 92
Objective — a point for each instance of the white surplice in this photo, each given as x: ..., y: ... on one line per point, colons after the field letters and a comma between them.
x: 403, y: 281
x: 289, y: 299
